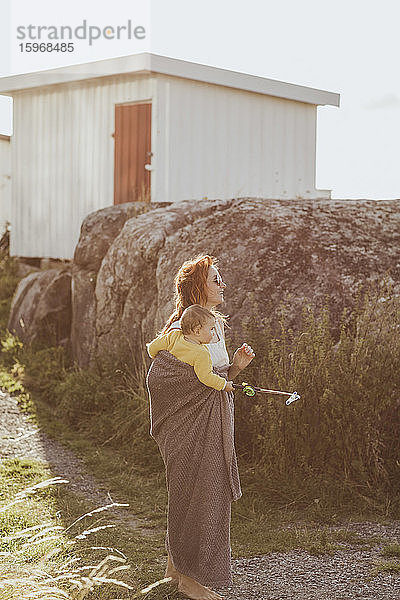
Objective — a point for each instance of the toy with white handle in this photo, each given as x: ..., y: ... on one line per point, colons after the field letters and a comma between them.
x: 251, y: 390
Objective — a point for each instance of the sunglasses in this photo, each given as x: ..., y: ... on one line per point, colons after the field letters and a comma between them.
x: 219, y: 280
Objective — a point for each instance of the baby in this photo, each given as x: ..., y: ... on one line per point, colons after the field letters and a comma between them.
x: 187, y: 345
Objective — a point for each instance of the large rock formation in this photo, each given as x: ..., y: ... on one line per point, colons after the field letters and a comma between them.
x: 41, y: 307
x: 98, y: 232
x: 269, y: 252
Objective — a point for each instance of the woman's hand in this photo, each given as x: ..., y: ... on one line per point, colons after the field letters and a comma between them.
x: 228, y: 387
x: 242, y: 357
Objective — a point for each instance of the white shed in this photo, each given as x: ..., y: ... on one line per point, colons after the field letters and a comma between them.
x: 150, y: 127
x: 5, y: 182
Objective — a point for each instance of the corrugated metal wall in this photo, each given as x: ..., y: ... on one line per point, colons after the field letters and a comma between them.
x: 63, y: 156
x: 5, y: 183
x: 207, y: 141
x: 225, y: 143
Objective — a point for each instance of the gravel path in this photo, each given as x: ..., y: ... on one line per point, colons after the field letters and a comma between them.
x: 20, y: 438
x: 297, y: 574
x: 344, y: 575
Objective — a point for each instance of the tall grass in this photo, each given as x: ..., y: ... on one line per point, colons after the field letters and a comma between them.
x: 109, y: 404
x: 341, y: 438
x: 42, y: 559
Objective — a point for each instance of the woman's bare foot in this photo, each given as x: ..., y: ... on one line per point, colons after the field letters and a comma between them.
x: 191, y: 588
x: 170, y: 571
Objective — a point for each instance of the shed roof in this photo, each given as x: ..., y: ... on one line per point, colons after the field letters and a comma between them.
x: 154, y: 63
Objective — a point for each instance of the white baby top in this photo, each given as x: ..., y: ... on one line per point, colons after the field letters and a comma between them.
x: 218, y: 352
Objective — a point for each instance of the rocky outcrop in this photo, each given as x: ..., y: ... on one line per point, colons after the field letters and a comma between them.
x: 114, y: 299
x: 269, y: 252
x: 98, y: 232
x: 41, y: 307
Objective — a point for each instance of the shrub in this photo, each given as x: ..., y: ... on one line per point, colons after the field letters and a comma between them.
x: 345, y: 426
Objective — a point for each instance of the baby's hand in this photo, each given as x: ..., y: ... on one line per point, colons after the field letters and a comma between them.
x: 229, y: 386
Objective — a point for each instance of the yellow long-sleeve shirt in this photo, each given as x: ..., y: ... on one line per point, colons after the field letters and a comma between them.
x: 196, y: 355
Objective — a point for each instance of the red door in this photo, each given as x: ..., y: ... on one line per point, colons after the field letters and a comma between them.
x: 132, y: 152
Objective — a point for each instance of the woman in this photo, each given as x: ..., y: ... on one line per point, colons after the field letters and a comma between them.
x: 193, y: 426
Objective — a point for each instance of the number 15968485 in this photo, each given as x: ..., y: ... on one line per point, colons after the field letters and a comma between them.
x: 46, y: 47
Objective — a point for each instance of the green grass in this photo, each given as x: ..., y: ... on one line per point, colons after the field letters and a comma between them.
x: 389, y: 566
x: 391, y: 550
x: 54, y: 510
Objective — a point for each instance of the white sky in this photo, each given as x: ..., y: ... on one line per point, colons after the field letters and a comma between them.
x: 345, y: 46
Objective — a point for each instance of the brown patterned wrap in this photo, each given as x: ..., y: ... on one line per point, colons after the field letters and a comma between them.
x: 193, y: 426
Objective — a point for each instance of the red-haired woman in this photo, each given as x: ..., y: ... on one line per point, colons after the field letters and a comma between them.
x: 193, y: 426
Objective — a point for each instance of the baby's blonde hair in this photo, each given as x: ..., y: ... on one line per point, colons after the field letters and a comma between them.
x: 195, y: 316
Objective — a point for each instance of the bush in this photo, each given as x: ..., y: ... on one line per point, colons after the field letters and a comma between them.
x: 110, y: 406
x: 345, y: 426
